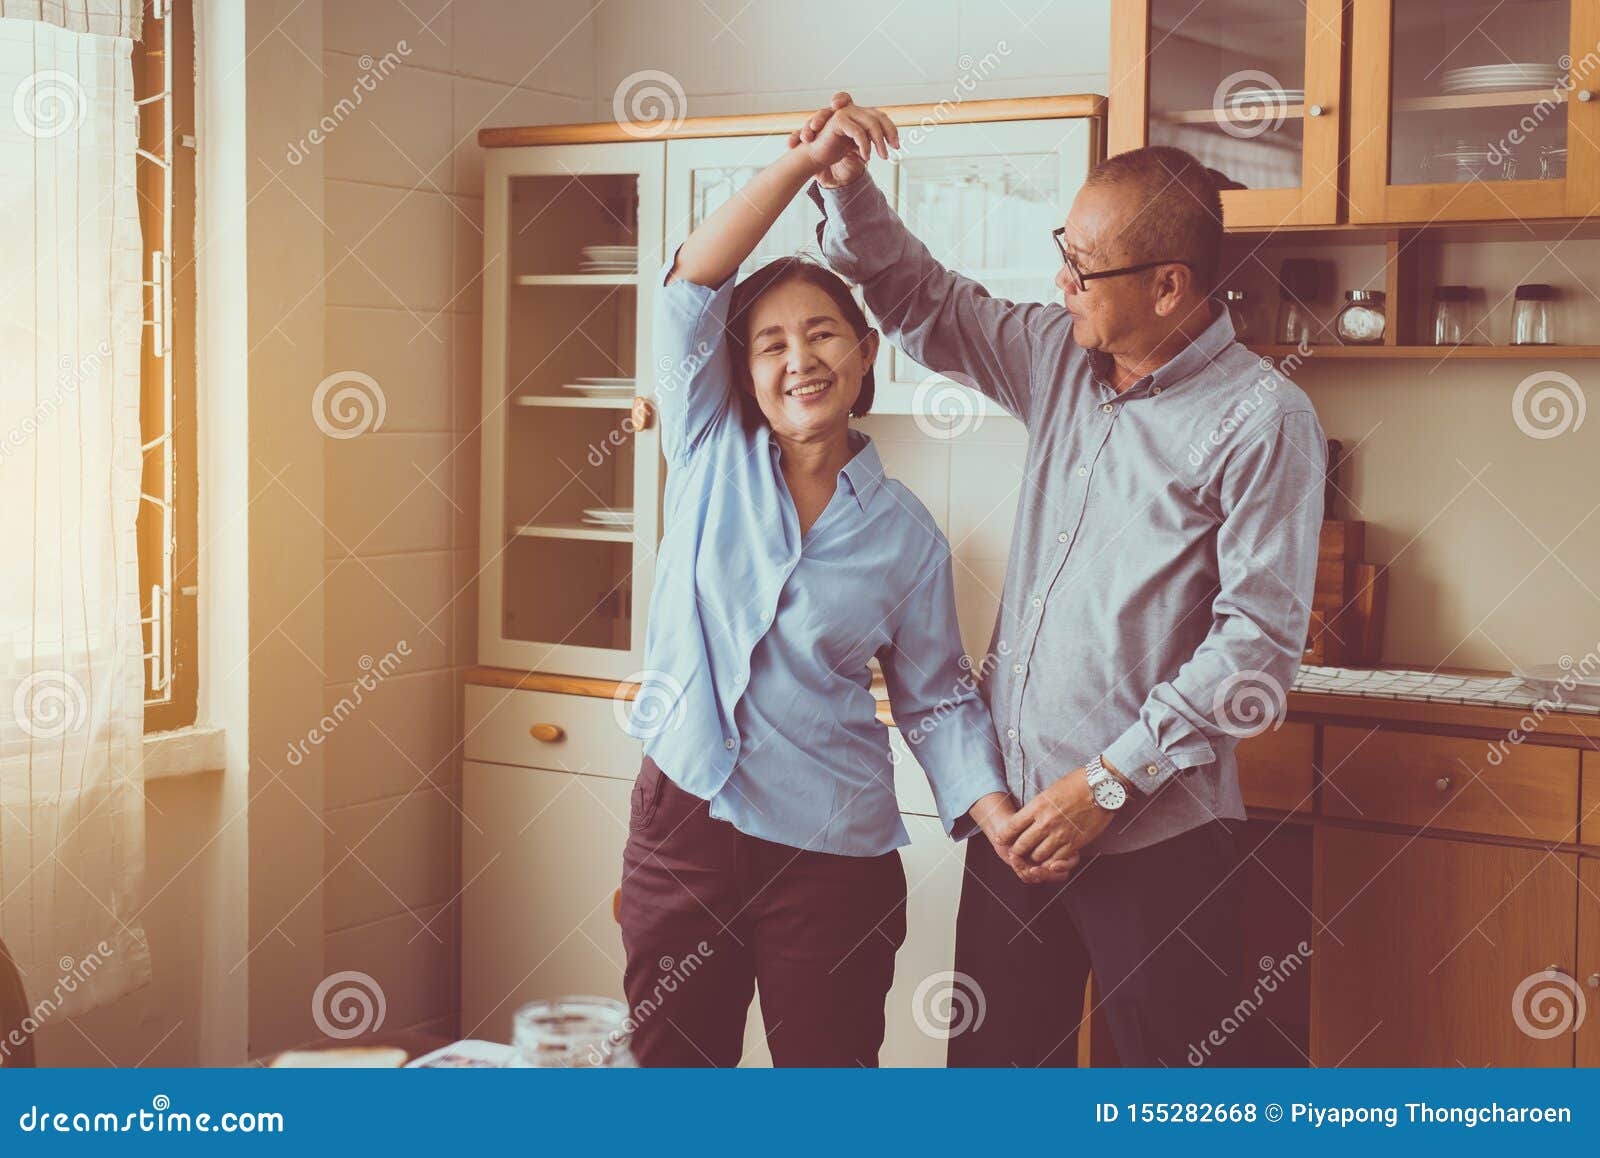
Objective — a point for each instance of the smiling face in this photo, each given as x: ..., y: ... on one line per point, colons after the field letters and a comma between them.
x: 806, y: 361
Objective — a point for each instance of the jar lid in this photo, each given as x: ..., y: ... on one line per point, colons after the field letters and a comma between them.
x: 1536, y: 292
x: 1451, y: 293
x: 1365, y: 295
x: 1233, y: 295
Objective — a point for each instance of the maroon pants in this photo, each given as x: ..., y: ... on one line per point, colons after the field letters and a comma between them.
x: 710, y: 913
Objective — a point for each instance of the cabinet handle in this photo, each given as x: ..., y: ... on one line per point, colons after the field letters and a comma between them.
x: 549, y: 733
x: 1442, y: 784
x: 1314, y: 111
x: 1585, y: 95
x: 1594, y: 981
x: 642, y: 414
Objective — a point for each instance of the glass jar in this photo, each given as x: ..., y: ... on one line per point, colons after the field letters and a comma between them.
x: 1297, y: 285
x: 1235, y: 301
x: 1533, y: 321
x: 1451, y: 324
x: 572, y: 1033
x: 1362, y: 321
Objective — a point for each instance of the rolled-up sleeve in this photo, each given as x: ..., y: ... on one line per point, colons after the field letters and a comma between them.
x: 1271, y: 495
x: 933, y: 694
x: 947, y: 322
x: 694, y: 382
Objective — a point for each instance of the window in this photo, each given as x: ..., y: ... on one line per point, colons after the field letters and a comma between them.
x: 163, y: 81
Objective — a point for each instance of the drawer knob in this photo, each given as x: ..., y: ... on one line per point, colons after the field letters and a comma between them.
x: 549, y: 733
x: 1314, y: 111
x: 1585, y: 95
x: 1594, y: 981
x: 1442, y: 784
x: 641, y: 413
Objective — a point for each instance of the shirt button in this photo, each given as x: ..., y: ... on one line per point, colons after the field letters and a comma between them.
x: 1155, y: 390
x: 1017, y: 668
x: 1152, y: 769
x: 728, y: 743
x: 1037, y: 602
x: 1108, y: 408
x: 1062, y: 537
x: 1011, y: 733
x: 739, y: 679
x: 1082, y: 470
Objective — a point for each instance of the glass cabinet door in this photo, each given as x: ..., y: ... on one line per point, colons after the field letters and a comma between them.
x: 1466, y: 113
x: 984, y: 199
x: 572, y: 240
x: 1250, y: 87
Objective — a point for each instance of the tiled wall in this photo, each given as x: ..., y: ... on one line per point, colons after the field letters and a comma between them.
x: 403, y: 239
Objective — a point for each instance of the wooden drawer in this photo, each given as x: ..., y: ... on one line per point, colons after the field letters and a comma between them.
x: 1276, y: 768
x: 1448, y: 782
x: 499, y: 725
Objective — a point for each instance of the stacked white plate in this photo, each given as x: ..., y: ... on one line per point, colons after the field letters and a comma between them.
x: 617, y: 518
x: 1486, y: 78
x: 1249, y: 100
x: 602, y: 387
x: 610, y: 259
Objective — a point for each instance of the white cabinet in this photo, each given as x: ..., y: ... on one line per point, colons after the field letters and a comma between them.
x: 566, y: 339
x: 541, y: 860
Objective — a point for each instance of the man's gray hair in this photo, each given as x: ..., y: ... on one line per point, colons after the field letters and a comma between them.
x: 1175, y: 211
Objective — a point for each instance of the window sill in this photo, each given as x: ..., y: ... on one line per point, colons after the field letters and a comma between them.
x: 184, y: 752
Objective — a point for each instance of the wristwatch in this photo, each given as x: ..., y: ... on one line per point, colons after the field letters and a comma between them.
x: 1108, y: 790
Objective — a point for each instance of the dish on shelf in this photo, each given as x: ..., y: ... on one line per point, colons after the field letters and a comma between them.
x: 1487, y: 78
x: 600, y: 389
x: 1551, y: 681
x: 618, y: 517
x: 596, y: 380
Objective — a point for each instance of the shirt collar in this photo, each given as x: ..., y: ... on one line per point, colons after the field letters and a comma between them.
x: 863, y: 472
x: 1196, y: 356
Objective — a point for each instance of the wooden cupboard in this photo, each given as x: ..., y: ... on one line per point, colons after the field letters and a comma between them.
x: 1369, y: 111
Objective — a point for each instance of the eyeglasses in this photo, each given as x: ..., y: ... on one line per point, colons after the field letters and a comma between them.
x: 1081, y: 279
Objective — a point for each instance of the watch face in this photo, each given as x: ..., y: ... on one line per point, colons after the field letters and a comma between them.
x: 1110, y: 793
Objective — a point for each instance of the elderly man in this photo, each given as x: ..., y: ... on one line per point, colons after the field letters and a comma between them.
x: 1158, y: 591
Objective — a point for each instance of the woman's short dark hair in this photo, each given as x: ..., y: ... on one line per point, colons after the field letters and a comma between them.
x: 768, y: 277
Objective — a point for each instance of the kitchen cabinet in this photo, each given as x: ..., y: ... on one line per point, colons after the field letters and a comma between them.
x: 1253, y: 88
x: 1422, y: 944
x: 577, y: 222
x: 541, y: 859
x: 557, y: 592
x: 1585, y: 996
x: 1417, y: 109
x: 1276, y: 768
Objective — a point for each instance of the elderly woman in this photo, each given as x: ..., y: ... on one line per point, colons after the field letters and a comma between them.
x: 764, y: 831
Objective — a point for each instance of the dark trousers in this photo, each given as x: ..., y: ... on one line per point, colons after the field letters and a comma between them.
x: 709, y: 914
x: 1160, y: 926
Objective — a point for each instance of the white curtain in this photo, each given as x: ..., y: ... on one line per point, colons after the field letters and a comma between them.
x: 71, y: 681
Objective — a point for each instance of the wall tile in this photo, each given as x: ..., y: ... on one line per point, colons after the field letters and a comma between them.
x: 401, y: 857
x: 390, y: 127
x: 409, y: 357
x: 388, y: 248
x: 389, y: 493
x: 371, y: 604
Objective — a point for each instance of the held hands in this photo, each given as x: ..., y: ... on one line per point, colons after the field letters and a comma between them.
x: 841, y: 139
x: 998, y: 816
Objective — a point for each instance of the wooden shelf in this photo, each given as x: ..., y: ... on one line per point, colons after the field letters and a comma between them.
x: 1513, y: 98
x: 1434, y: 353
x: 577, y: 279
x: 576, y: 402
x: 573, y: 531
x: 1214, y: 116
